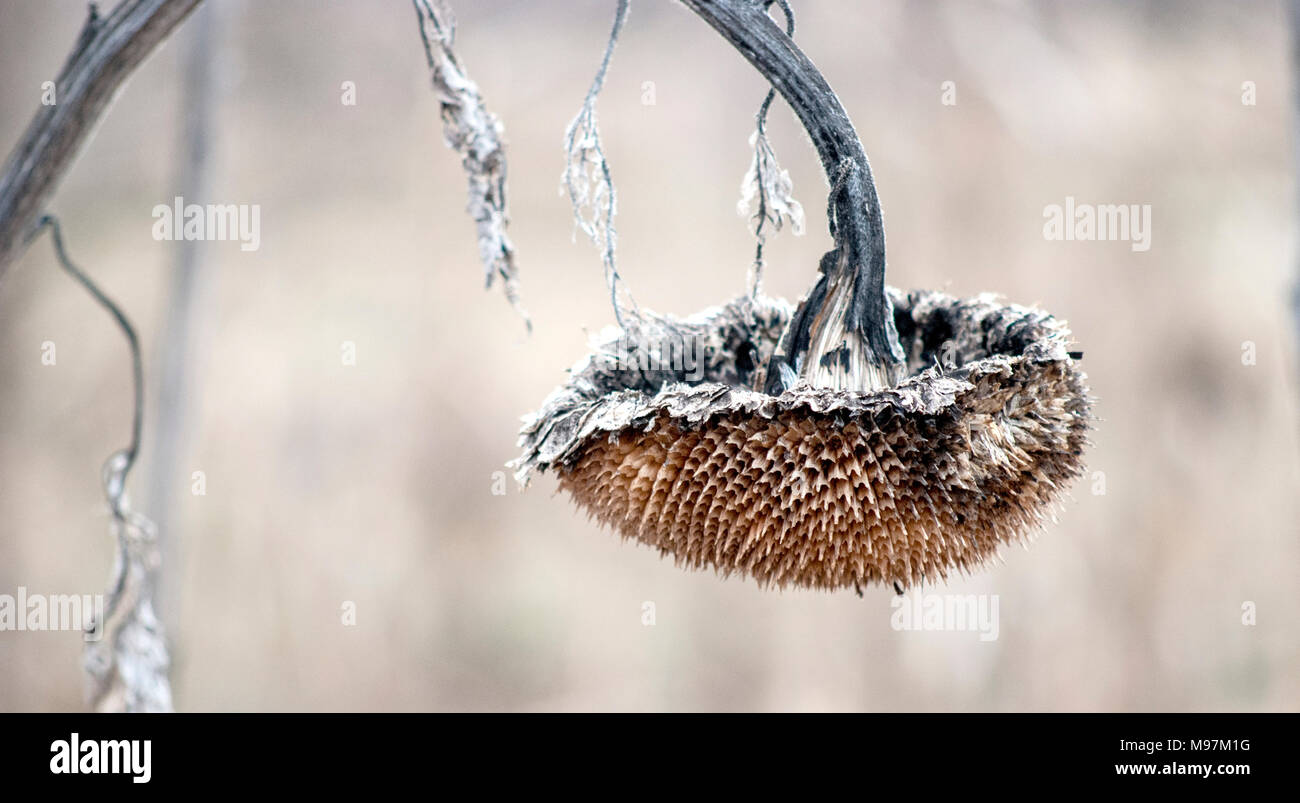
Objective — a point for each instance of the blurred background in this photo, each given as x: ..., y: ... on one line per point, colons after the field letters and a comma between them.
x: 372, y: 483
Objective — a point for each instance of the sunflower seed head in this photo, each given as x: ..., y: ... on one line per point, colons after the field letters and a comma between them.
x: 828, y: 488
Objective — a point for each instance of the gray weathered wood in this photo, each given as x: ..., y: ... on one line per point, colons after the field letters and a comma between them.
x: 106, y: 53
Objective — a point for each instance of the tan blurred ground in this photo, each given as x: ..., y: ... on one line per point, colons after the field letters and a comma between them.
x: 373, y: 483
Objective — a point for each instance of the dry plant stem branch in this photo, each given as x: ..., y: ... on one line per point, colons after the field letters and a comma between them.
x: 107, y: 51
x: 768, y: 182
x: 589, y: 184
x: 476, y: 135
x: 128, y: 662
x: 842, y: 335
x: 137, y: 368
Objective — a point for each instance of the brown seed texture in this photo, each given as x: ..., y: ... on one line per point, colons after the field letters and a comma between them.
x: 817, y: 487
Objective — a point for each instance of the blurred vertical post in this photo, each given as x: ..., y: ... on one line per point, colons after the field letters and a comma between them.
x: 1293, y: 14
x: 175, y: 378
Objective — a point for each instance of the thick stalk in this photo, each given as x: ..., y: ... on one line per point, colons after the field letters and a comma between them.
x: 107, y: 52
x: 842, y: 334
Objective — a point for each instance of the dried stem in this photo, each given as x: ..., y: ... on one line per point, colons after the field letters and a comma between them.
x: 476, y: 134
x: 842, y: 334
x: 587, y: 178
x: 768, y: 183
x: 107, y: 51
x: 126, y: 655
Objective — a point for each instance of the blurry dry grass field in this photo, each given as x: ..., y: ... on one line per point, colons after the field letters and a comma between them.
x: 373, y: 483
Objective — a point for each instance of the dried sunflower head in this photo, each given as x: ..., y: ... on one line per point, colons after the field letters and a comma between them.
x: 819, y: 487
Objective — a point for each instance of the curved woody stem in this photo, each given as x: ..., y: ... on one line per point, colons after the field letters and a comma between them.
x: 842, y: 334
